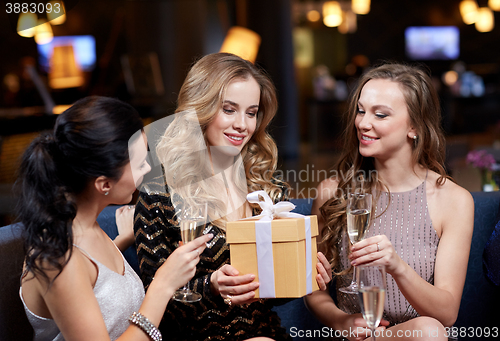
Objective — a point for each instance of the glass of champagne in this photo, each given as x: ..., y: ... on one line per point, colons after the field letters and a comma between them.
x: 192, y: 221
x: 371, y: 293
x: 359, y: 207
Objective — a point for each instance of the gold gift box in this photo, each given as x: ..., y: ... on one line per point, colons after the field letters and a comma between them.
x: 289, y: 253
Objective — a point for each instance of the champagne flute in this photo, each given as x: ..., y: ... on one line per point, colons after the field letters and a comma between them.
x: 192, y: 221
x: 359, y: 207
x: 371, y: 293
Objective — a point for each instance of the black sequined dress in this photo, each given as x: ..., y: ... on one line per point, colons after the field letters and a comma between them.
x: 157, y: 236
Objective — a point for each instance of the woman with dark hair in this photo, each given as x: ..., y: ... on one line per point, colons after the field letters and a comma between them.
x: 216, y: 150
x: 422, y: 221
x: 76, y: 284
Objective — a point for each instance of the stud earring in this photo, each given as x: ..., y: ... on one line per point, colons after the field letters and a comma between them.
x: 106, y: 193
x: 415, y: 137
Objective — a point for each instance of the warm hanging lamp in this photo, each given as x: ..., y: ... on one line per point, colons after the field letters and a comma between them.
x: 43, y: 32
x: 65, y: 72
x: 26, y: 24
x: 241, y: 42
x: 485, y: 20
x: 468, y: 11
x: 360, y: 6
x: 494, y: 5
x: 332, y: 14
x: 58, y: 14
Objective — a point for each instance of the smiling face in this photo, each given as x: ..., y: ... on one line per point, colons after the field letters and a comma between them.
x: 383, y: 123
x: 236, y: 120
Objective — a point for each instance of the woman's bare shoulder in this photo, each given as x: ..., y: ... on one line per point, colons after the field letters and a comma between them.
x: 77, y: 271
x: 329, y: 183
x: 77, y: 266
x: 327, y: 188
x: 452, y: 200
x: 450, y: 192
x: 324, y: 192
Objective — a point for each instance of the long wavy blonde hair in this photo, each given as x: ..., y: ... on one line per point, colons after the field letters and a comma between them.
x: 428, y: 150
x: 183, y: 147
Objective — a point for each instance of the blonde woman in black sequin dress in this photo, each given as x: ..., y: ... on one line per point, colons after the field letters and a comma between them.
x: 232, y: 101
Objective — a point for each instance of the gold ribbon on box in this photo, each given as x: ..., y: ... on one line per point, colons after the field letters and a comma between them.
x: 263, y: 237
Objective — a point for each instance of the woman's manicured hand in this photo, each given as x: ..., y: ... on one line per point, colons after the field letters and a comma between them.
x: 232, y: 287
x: 180, y: 266
x: 125, y: 223
x: 376, y: 250
x: 324, y: 275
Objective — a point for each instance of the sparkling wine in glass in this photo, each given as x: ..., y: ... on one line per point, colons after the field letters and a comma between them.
x: 192, y: 221
x: 359, y: 207
x: 371, y: 293
x: 357, y: 224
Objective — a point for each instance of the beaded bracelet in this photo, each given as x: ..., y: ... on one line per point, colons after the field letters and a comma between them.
x: 142, y: 322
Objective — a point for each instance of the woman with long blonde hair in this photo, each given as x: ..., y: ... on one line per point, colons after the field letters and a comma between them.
x: 421, y: 224
x: 215, y: 151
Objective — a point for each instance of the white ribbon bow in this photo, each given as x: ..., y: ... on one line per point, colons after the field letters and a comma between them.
x: 264, y: 243
x: 270, y: 210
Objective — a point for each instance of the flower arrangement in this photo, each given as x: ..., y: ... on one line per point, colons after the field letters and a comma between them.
x: 481, y: 159
x: 488, y: 166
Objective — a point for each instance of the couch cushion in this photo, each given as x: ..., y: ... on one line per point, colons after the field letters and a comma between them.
x: 302, y: 206
x: 491, y: 256
x: 14, y: 325
x: 480, y: 298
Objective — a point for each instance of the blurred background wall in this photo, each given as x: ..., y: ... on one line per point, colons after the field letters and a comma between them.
x: 143, y: 50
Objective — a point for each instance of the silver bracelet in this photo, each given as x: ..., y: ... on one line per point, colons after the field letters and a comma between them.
x: 142, y: 322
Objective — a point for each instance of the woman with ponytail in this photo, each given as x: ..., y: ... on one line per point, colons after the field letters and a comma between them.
x: 76, y: 285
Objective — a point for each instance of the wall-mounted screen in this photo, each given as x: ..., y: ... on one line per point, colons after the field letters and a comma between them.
x: 432, y: 42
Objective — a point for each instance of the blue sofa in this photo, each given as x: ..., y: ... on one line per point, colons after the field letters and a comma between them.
x: 479, y: 306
